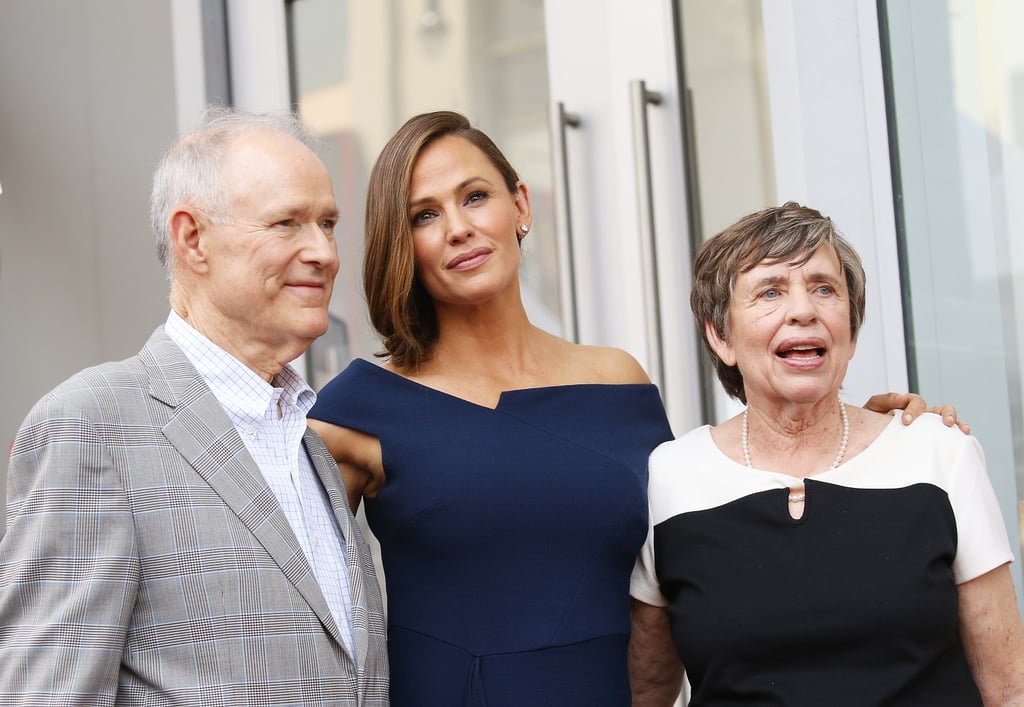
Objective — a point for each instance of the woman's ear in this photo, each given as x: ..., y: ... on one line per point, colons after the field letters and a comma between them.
x: 524, y: 217
x: 722, y: 348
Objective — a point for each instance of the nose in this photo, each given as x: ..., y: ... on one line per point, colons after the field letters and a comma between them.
x: 801, y: 309
x: 318, y: 246
x: 459, y: 227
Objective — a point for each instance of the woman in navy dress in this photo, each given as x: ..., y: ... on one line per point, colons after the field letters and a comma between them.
x: 515, y: 496
x: 504, y: 469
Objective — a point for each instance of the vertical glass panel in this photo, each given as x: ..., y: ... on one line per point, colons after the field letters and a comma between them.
x: 727, y: 80
x: 730, y: 132
x: 956, y: 75
x: 360, y: 68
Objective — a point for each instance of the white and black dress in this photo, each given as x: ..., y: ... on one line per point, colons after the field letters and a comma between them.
x: 855, y: 603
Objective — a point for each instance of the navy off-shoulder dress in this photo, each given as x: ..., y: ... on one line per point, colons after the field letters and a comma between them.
x: 508, y: 535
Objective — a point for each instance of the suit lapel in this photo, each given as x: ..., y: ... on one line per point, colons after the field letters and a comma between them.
x: 330, y: 477
x: 203, y: 434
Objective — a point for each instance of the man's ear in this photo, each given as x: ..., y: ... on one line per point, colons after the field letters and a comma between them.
x: 186, y: 233
x: 722, y: 348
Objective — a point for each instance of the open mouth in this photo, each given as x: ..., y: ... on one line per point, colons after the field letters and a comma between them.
x: 798, y: 352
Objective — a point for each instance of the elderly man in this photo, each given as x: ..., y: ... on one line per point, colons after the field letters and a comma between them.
x: 176, y: 535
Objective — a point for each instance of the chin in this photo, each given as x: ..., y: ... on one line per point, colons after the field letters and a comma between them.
x: 811, y: 397
x: 309, y: 331
x: 315, y: 333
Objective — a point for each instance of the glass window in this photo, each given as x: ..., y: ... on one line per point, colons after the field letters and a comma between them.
x: 727, y: 83
x: 729, y: 133
x: 360, y: 68
x: 956, y: 84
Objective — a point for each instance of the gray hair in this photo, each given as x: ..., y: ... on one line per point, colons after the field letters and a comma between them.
x: 778, y: 234
x: 189, y: 171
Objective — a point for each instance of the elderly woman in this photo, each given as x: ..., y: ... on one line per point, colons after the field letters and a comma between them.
x: 807, y: 552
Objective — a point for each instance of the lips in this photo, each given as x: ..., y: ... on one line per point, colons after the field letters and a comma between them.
x: 309, y: 290
x: 801, y: 349
x: 309, y: 284
x: 469, y: 259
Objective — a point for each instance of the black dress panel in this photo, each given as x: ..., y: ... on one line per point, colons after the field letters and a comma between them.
x: 783, y: 611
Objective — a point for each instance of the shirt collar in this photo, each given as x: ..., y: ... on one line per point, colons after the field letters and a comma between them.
x: 240, y: 390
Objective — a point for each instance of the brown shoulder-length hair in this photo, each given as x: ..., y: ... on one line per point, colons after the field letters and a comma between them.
x: 401, y: 309
x: 779, y: 234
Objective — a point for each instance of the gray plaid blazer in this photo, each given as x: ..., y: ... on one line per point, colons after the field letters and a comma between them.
x: 146, y: 561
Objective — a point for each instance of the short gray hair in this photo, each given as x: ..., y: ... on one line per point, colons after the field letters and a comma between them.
x: 189, y: 171
x: 778, y: 234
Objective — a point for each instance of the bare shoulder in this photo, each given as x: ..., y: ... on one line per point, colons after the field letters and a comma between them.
x: 606, y: 364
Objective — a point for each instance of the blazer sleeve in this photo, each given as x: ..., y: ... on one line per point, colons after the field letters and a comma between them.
x: 69, y: 567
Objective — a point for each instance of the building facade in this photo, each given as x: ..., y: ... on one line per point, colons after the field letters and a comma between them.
x: 640, y: 127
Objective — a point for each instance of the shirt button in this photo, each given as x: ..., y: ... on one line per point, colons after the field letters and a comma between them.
x: 250, y: 430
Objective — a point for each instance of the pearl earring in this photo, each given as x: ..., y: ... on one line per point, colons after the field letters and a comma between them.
x: 524, y: 228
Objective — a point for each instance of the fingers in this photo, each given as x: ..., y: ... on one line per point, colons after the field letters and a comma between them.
x: 949, y: 417
x: 888, y: 402
x: 915, y: 406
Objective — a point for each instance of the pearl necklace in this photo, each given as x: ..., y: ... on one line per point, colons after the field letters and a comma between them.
x: 800, y: 496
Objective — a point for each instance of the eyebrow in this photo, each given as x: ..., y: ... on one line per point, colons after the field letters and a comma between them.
x: 769, y: 280
x: 765, y: 281
x: 825, y: 277
x: 458, y: 187
x: 276, y: 212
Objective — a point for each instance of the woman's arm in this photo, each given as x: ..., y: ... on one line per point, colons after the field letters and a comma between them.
x: 993, y: 637
x: 655, y: 672
x: 358, y: 456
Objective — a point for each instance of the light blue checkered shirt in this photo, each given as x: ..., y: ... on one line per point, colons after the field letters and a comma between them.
x: 271, y: 421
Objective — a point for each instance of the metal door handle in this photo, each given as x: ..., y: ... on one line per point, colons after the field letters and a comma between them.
x: 640, y: 98
x: 561, y: 121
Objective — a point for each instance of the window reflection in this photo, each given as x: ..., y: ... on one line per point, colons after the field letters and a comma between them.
x: 730, y: 139
x: 956, y: 72
x: 726, y: 76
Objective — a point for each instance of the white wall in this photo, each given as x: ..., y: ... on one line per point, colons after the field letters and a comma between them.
x: 87, y: 103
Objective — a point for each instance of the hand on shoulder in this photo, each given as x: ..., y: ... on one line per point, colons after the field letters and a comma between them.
x: 914, y: 405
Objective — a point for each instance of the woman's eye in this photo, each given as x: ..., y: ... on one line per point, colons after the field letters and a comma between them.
x: 421, y: 218
x: 825, y: 290
x: 770, y: 293
x: 475, y: 197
